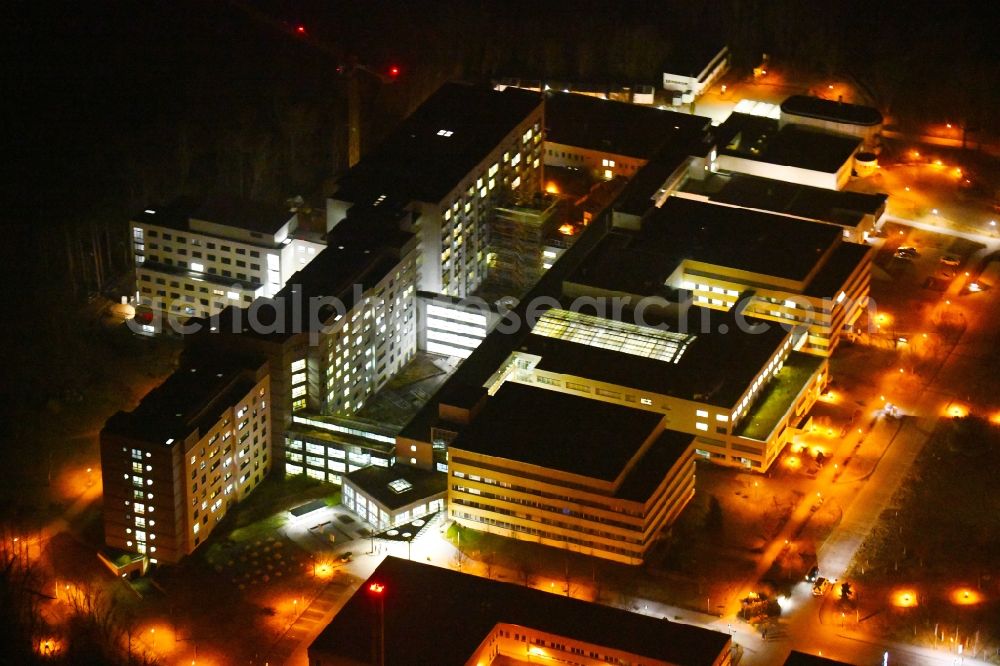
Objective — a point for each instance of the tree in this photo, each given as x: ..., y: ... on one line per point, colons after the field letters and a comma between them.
x: 526, y: 569
x: 845, y: 590
x: 489, y: 561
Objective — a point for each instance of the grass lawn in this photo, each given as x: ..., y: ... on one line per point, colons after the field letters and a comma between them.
x: 942, y: 536
x: 778, y: 396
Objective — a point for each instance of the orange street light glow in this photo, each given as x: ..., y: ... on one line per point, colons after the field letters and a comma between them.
x: 957, y: 411
x: 551, y: 187
x: 963, y: 596
x: 567, y: 230
x: 904, y: 599
x: 377, y: 588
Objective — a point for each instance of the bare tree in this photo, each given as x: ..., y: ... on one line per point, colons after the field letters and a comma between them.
x: 525, y: 569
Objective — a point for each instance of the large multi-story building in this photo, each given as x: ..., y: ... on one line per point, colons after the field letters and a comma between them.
x: 389, y: 621
x: 449, y: 163
x: 195, y: 257
x: 335, y: 334
x: 555, y: 468
x: 708, y: 377
x: 195, y: 445
x: 800, y: 273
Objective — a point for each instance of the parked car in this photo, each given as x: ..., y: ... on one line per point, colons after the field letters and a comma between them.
x: 812, y: 575
x: 907, y: 251
x: 950, y: 260
x: 819, y: 587
x: 346, y: 557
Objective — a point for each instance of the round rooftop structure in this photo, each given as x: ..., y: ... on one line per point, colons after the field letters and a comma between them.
x: 806, y: 106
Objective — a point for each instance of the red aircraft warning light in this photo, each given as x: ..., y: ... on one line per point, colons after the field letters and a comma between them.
x: 300, y: 30
x: 394, y: 71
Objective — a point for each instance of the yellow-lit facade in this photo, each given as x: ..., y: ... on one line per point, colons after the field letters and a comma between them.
x: 781, y: 300
x: 529, y: 645
x: 565, y: 510
x: 163, y: 497
x: 715, y: 427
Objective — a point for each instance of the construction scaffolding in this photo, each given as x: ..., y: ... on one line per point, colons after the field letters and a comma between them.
x: 517, y: 237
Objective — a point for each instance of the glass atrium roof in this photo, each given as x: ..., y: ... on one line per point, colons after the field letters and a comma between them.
x: 666, y: 346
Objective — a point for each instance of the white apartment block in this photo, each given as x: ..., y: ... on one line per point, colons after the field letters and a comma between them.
x: 449, y: 164
x: 194, y: 258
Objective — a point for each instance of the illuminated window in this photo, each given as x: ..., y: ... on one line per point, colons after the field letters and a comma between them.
x: 701, y: 426
x: 444, y: 132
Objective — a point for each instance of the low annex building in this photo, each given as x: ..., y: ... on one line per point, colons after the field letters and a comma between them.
x: 389, y: 621
x: 760, y: 146
x: 390, y: 496
x: 611, y: 139
x: 859, y: 215
x: 835, y: 116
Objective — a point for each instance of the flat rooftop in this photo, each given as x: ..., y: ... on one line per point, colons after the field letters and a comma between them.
x: 661, y: 456
x: 796, y: 658
x: 191, y: 399
x: 427, y: 156
x: 831, y: 110
x: 837, y: 207
x: 760, y: 139
x: 716, y: 365
x: 410, y: 484
x: 558, y: 431
x: 618, y: 128
x: 640, y: 262
x: 836, y: 269
x: 254, y: 216
x: 421, y: 597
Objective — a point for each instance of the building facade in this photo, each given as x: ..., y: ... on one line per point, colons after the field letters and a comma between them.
x: 617, y: 512
x: 195, y: 257
x: 192, y: 449
x: 463, y: 151
x: 388, y: 621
